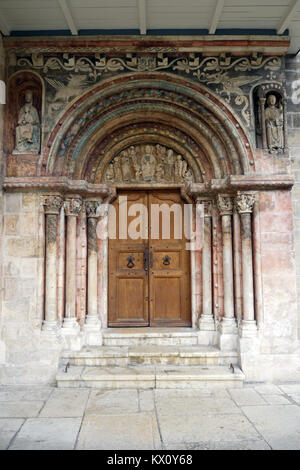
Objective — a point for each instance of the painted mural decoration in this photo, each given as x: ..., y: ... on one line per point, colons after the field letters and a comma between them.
x: 67, y: 75
x: 148, y: 163
x: 28, y: 134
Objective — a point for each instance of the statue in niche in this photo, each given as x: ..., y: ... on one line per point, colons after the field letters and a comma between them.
x: 28, y: 132
x: 126, y: 170
x: 180, y: 168
x: 169, y: 165
x: 274, y: 125
x: 148, y: 163
x: 135, y: 162
x: 110, y: 174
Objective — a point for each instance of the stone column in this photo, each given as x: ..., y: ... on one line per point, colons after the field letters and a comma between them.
x: 92, y: 325
x: 244, y: 204
x: 225, y: 205
x: 206, y: 321
x: 2, y: 77
x: 72, y: 208
x: 52, y: 207
x: 262, y: 102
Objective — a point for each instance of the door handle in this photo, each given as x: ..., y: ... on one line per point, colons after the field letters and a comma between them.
x: 151, y: 259
x: 146, y: 258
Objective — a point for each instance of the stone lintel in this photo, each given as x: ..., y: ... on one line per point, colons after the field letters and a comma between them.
x: 211, y: 44
x: 58, y: 184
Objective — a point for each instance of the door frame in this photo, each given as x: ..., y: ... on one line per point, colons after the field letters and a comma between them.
x: 103, y: 257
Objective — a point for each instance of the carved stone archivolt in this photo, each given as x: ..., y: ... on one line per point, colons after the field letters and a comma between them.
x: 148, y: 163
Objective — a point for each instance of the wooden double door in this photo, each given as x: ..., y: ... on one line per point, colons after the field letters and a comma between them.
x: 149, y: 265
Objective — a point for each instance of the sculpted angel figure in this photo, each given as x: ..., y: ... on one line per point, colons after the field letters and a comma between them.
x: 28, y: 129
x: 274, y: 125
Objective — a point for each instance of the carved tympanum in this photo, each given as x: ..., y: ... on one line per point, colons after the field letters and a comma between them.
x: 28, y: 132
x: 148, y: 163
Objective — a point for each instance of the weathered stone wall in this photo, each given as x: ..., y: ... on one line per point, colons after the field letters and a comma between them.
x: 293, y: 93
x: 28, y: 357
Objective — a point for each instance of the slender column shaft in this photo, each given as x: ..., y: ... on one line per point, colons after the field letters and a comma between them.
x: 92, y: 269
x: 244, y: 204
x: 207, y: 320
x: 248, y: 297
x: 237, y: 265
x: 227, y: 266
x: 53, y: 204
x: 93, y: 324
x: 263, y: 123
x: 72, y: 207
x: 225, y: 205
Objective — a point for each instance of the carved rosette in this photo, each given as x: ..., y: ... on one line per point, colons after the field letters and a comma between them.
x: 52, y: 204
x: 73, y: 206
x: 244, y: 203
x: 225, y: 205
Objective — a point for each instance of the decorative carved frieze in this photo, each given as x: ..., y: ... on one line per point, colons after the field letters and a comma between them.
x: 73, y: 206
x: 244, y: 203
x: 225, y: 205
x: 148, y: 163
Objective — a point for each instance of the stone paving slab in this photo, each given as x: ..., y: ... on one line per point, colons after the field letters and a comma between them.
x: 8, y: 428
x: 20, y: 409
x: 197, y: 428
x: 104, y: 402
x: 60, y: 405
x: 134, y: 431
x: 47, y: 434
x: 257, y: 417
x: 278, y: 424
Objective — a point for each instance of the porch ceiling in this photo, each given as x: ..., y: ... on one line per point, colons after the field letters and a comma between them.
x: 152, y: 17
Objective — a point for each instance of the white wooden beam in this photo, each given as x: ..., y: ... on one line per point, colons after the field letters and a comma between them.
x: 142, y: 16
x: 68, y: 16
x: 4, y: 28
x: 288, y: 17
x: 216, y: 17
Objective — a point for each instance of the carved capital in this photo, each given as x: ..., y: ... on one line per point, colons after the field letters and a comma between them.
x: 52, y: 204
x: 207, y: 207
x: 73, y: 206
x: 244, y: 203
x: 225, y: 205
x: 91, y: 206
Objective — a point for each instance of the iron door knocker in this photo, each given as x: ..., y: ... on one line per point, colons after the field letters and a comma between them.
x: 166, y: 260
x: 130, y: 263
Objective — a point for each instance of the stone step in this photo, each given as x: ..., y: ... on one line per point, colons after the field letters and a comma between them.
x: 147, y: 355
x: 144, y: 377
x: 150, y: 336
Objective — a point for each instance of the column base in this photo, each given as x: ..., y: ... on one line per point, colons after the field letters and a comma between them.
x: 92, y: 331
x: 207, y: 323
x: 70, y: 326
x: 228, y: 334
x: 248, y: 329
x: 50, y: 327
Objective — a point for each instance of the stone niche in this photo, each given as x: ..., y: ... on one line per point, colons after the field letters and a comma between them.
x: 25, y: 93
x: 270, y: 117
x: 148, y: 163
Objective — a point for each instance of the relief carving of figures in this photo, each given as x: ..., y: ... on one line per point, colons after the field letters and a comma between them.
x: 143, y: 163
x: 274, y: 125
x: 244, y: 203
x: 28, y: 133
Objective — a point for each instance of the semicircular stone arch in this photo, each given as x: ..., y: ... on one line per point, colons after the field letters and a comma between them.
x: 157, y: 109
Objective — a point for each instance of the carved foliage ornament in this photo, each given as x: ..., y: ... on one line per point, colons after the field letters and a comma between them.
x: 225, y: 205
x: 91, y: 207
x: 73, y: 206
x: 52, y: 204
x: 244, y: 203
x: 148, y: 163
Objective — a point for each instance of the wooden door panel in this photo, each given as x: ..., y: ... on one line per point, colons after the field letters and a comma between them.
x: 128, y: 278
x: 169, y: 274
